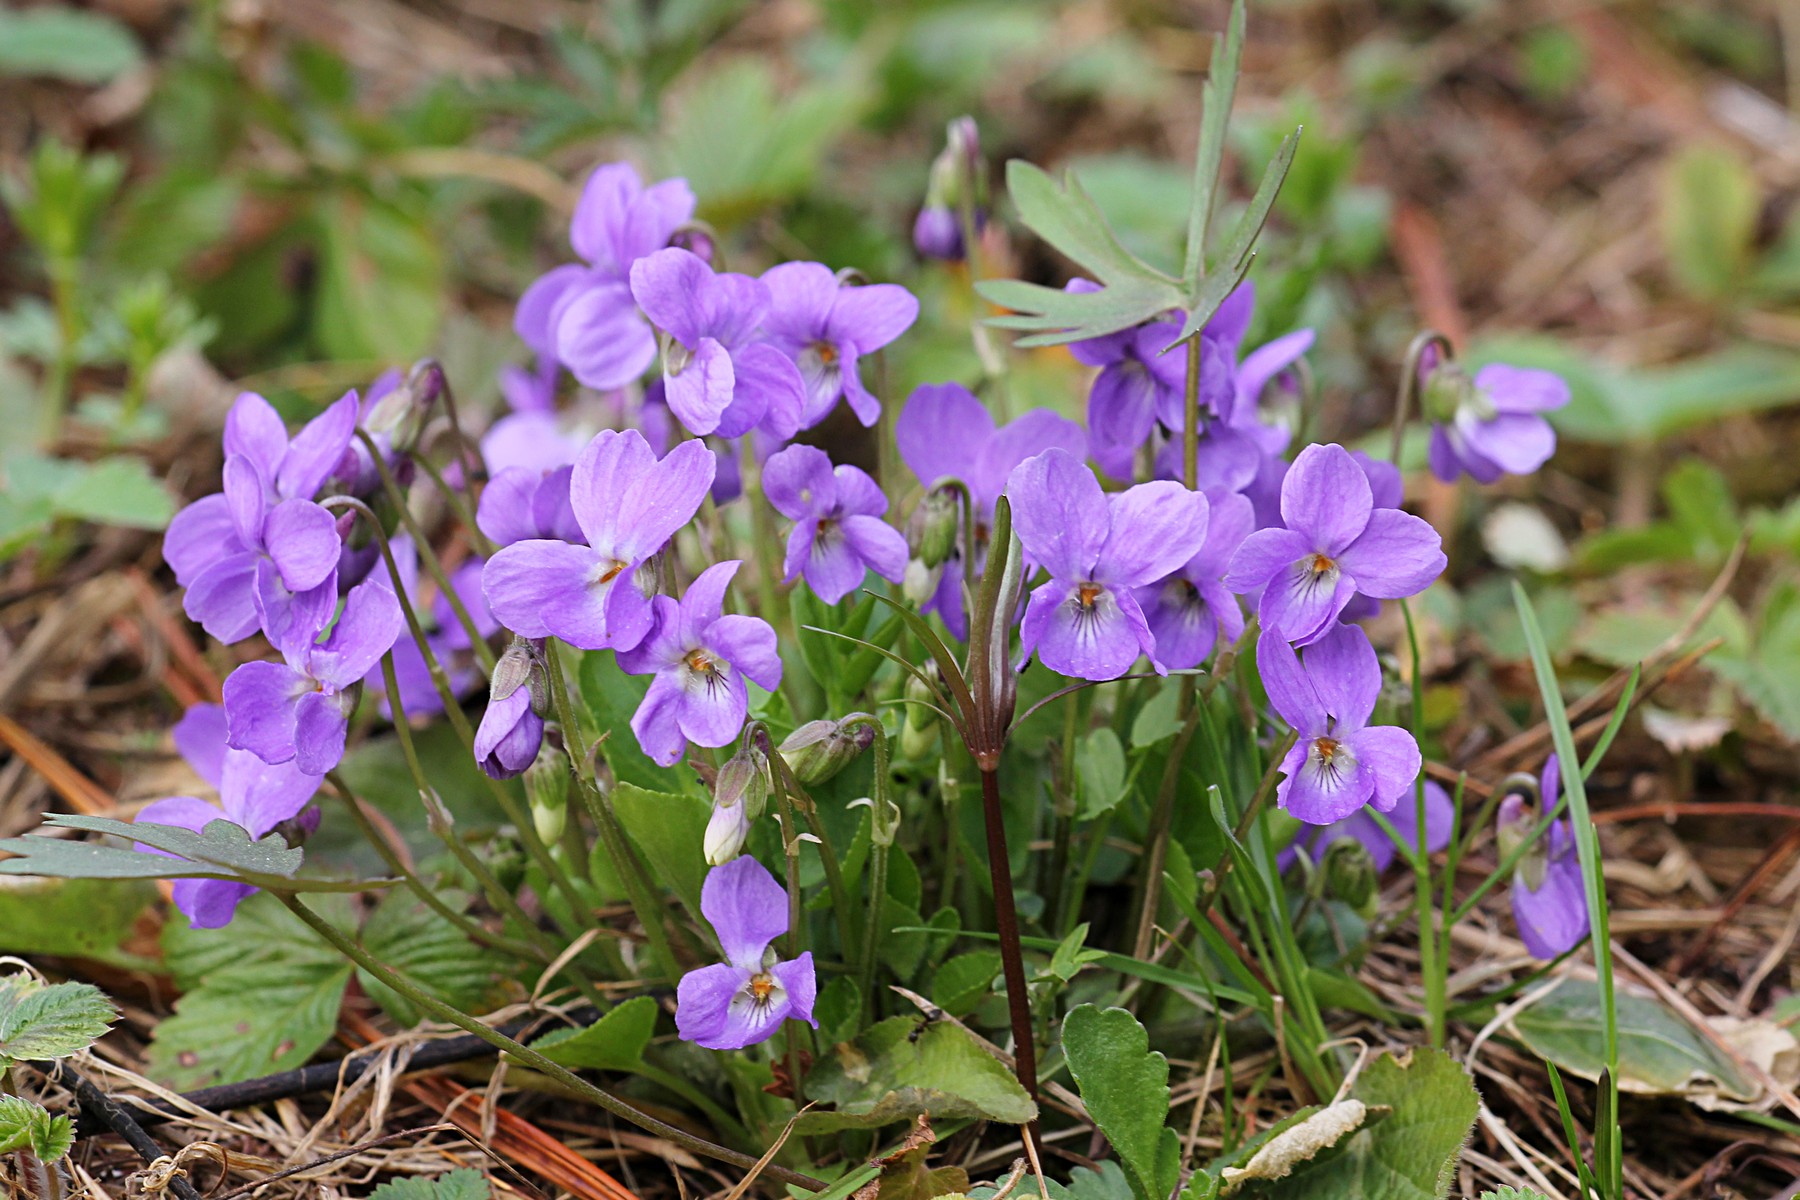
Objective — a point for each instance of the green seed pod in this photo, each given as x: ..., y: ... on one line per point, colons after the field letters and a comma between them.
x: 547, y: 790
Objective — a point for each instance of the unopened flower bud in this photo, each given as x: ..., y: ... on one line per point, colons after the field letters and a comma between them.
x: 512, y: 728
x: 1448, y: 390
x: 957, y: 176
x: 919, y: 583
x: 547, y: 789
x: 740, y: 794
x: 1350, y: 875
x: 934, y: 526
x: 820, y: 749
x: 920, y: 728
x: 1512, y: 827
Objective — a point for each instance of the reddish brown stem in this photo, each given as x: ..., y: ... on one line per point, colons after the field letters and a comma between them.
x: 1006, y: 924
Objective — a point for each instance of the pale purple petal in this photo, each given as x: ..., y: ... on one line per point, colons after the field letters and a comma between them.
x: 256, y: 431
x: 674, y: 288
x: 858, y: 494
x: 1059, y: 513
x: 878, y: 544
x: 801, y: 296
x: 1155, y: 529
x: 1266, y: 362
x: 292, y: 620
x: 862, y: 402
x: 1184, y: 627
x: 1231, y: 320
x: 1290, y: 689
x: 657, y: 721
x: 548, y: 589
x: 799, y: 483
x: 1522, y: 389
x: 303, y: 540
x: 704, y: 601
x: 652, y: 220
x: 601, y: 337
x: 1264, y: 556
x: 504, y: 514
x: 769, y: 388
x: 259, y: 795
x: 321, y: 723
x: 702, y: 999
x: 663, y: 647
x: 629, y: 615
x: 1121, y: 413
x: 748, y: 644
x: 532, y: 317
x: 1226, y: 459
x: 1518, y: 443
x: 223, y: 598
x: 1302, y: 604
x: 209, y: 903
x: 1099, y: 640
x: 366, y: 630
x: 1326, y: 497
x: 1346, y: 675
x: 1029, y: 434
x: 199, y: 536
x: 747, y: 909
x: 799, y: 549
x: 534, y: 441
x: 1397, y: 555
x: 1387, y: 488
x: 1388, y: 758
x: 941, y: 432
x: 1318, y: 791
x: 801, y: 983
x: 316, y: 450
x: 871, y: 316
x: 246, y: 494
x: 200, y: 739
x: 834, y: 569
x: 609, y: 468
x: 183, y: 812
x: 260, y: 702
x: 1554, y: 919
x: 700, y: 392
x: 662, y: 500
x: 712, y: 714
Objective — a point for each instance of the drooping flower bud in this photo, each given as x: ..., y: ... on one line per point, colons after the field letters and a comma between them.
x: 547, y: 790
x: 740, y: 794
x: 820, y: 749
x: 512, y: 728
x: 958, y: 176
x: 1350, y: 876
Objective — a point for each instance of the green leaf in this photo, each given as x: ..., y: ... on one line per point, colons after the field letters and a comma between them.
x: 905, y: 1067
x: 963, y: 982
x: 116, y: 491
x: 261, y: 995
x: 1710, y: 202
x: 1660, y: 1053
x: 382, y: 291
x: 463, y: 1184
x: 1100, y: 765
x: 1234, y: 263
x: 25, y: 1125
x: 611, y: 697
x: 1158, y: 720
x: 1124, y: 1086
x: 55, y: 1020
x: 431, y: 952
x: 1409, y: 1153
x: 669, y: 831
x: 74, y: 45
x: 616, y: 1042
x: 1071, y: 954
x: 1215, y: 114
x: 743, y: 148
x: 74, y: 918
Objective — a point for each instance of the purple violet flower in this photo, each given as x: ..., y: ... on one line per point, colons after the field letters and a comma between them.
x: 252, y: 793
x: 628, y: 505
x: 1137, y: 387
x: 1336, y: 543
x: 1491, y: 424
x: 1339, y: 762
x: 1440, y: 814
x: 1189, y: 609
x: 533, y: 434
x: 298, y: 710
x: 444, y: 633
x: 700, y: 659
x: 744, y: 1000
x: 944, y: 432
x: 826, y: 326
x: 838, y: 532
x: 264, y: 515
x: 582, y: 315
x: 716, y: 377
x: 1085, y: 622
x: 1549, y: 894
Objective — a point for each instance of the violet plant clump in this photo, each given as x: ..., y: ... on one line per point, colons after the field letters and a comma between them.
x: 753, y: 690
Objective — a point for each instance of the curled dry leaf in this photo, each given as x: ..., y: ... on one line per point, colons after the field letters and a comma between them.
x: 1303, y: 1142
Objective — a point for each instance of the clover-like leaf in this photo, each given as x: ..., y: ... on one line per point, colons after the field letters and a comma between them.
x: 28, y: 1126
x: 49, y: 1020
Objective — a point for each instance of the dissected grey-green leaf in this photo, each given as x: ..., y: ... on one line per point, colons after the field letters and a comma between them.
x: 55, y: 1020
